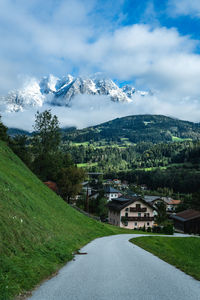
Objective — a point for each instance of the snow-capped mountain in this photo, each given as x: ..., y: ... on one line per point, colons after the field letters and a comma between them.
x: 61, y: 92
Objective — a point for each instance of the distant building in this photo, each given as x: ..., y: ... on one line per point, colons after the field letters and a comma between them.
x: 143, y: 187
x: 52, y: 185
x: 187, y: 221
x: 117, y: 181
x: 130, y: 212
x: 86, y: 188
x: 171, y: 204
x: 111, y: 193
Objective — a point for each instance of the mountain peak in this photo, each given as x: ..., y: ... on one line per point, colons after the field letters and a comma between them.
x: 62, y: 91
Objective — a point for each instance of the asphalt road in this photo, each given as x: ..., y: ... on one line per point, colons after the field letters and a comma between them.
x: 115, y: 269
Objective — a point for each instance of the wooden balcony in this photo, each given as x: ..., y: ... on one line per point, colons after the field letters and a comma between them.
x: 145, y: 219
x: 138, y: 209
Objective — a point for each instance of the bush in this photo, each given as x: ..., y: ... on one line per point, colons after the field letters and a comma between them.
x: 168, y: 229
x: 149, y: 229
x: 156, y: 229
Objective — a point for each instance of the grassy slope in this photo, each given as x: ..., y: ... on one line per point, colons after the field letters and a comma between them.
x: 38, y: 230
x: 184, y: 253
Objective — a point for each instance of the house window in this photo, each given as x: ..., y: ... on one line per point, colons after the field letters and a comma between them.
x: 136, y: 224
x: 139, y: 214
x: 147, y: 223
x: 137, y: 205
x: 126, y: 209
x: 126, y: 214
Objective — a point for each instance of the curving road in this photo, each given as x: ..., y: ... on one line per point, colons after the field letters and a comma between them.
x: 115, y: 269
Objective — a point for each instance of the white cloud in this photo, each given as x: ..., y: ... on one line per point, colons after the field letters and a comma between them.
x: 184, y: 8
x: 87, y: 36
x: 92, y: 110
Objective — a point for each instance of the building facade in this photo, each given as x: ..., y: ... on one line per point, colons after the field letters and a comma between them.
x: 132, y: 213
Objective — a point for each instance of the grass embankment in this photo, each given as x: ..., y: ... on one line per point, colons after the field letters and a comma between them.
x: 184, y: 253
x: 38, y: 231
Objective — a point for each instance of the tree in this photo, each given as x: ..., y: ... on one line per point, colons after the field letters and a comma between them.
x: 3, y: 131
x: 46, y: 141
x: 47, y: 135
x: 19, y: 146
x: 69, y: 182
x: 161, y: 213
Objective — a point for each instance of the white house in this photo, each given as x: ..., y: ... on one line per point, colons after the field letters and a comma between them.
x: 111, y: 193
x: 130, y: 212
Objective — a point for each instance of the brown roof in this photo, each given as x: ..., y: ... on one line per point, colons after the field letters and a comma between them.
x: 187, y: 215
x: 174, y: 202
x: 52, y: 185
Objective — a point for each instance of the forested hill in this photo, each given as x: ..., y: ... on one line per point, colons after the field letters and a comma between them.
x: 134, y: 129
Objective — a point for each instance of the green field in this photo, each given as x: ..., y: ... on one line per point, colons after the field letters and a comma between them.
x: 184, y: 253
x: 86, y: 165
x: 39, y: 232
x: 177, y: 139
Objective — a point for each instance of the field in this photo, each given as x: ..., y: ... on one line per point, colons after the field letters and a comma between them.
x: 183, y: 253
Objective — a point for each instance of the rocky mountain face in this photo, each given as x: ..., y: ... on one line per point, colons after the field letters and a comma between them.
x: 61, y: 92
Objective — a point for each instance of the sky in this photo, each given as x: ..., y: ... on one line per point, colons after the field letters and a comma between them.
x: 152, y: 44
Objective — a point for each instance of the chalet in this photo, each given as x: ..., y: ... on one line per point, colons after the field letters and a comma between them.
x: 187, y: 221
x: 111, y: 193
x: 130, y: 212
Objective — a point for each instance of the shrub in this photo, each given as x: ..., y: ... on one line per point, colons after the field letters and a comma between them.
x: 144, y: 228
x: 168, y: 229
x: 156, y: 229
x: 149, y: 229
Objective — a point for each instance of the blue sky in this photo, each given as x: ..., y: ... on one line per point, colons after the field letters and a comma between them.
x: 154, y: 44
x: 165, y: 13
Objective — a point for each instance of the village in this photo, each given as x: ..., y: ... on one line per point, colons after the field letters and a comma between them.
x: 137, y: 211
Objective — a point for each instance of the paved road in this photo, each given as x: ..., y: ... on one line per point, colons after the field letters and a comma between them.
x: 115, y: 269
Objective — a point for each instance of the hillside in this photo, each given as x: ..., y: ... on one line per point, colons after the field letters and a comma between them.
x: 139, y: 128
x: 38, y: 231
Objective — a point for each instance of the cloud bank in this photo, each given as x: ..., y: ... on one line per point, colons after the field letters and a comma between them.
x: 92, y: 110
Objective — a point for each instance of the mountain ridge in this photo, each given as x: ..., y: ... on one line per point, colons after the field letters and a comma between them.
x: 138, y: 128
x: 56, y: 91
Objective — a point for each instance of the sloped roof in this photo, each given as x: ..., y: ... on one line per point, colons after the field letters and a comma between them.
x: 174, y: 202
x: 110, y: 189
x: 151, y: 198
x: 186, y: 215
x: 123, y: 201
x: 52, y: 185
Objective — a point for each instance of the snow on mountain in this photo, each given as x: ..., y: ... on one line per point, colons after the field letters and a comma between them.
x: 61, y: 91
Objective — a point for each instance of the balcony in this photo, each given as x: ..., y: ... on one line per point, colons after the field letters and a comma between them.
x: 146, y: 219
x: 138, y: 209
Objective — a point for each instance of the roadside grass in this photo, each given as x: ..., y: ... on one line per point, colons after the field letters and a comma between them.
x: 39, y: 232
x: 183, y: 253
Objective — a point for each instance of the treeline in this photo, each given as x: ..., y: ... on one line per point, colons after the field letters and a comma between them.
x: 143, y: 155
